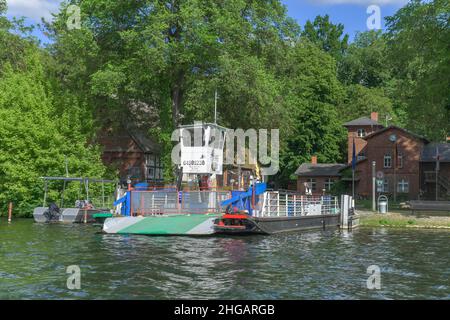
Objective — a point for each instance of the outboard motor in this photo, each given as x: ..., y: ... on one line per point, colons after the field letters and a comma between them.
x: 52, y: 213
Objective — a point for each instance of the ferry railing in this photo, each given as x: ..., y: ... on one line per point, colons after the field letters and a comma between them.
x: 153, y: 202
x: 158, y: 202
x: 290, y: 204
x: 203, y: 201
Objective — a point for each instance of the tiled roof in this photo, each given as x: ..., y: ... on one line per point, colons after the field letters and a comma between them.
x: 363, y: 121
x: 398, y: 128
x: 321, y: 169
x: 145, y: 142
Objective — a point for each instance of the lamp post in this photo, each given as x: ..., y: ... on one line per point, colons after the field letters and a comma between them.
x: 393, y: 139
x: 373, y: 185
x: 395, y: 171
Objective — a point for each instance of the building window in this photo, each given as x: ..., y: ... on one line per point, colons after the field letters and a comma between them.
x: 154, y: 167
x: 312, y: 183
x: 361, y: 156
x: 329, y: 184
x: 361, y: 133
x: 400, y: 160
x: 150, y: 172
x: 403, y: 186
x: 383, y: 186
x: 387, y: 161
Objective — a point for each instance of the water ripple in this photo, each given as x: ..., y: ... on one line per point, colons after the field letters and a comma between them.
x: 315, y: 265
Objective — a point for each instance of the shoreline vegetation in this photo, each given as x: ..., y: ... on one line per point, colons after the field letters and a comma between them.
x: 403, y: 220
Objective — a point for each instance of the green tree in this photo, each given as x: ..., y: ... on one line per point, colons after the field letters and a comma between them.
x: 327, y: 35
x: 158, y: 51
x: 173, y: 55
x: 418, y: 37
x: 3, y: 21
x: 40, y: 127
x: 360, y: 101
x: 313, y: 93
x: 365, y: 63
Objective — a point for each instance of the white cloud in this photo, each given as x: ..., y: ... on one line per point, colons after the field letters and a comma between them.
x: 33, y: 9
x: 361, y: 2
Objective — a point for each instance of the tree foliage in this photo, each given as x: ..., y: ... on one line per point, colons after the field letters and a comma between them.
x: 328, y: 36
x: 418, y: 37
x: 41, y: 127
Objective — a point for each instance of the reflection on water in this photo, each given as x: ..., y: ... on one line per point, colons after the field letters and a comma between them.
x: 315, y: 265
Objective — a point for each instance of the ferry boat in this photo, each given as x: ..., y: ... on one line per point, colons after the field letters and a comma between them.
x: 172, y: 211
x: 167, y: 211
x: 255, y: 211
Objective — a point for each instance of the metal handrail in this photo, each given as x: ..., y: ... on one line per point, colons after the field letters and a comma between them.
x: 276, y: 203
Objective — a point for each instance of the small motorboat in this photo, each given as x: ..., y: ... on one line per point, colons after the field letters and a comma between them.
x: 84, y: 211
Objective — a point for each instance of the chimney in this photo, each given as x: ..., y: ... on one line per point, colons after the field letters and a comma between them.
x: 314, y: 160
x: 374, y: 116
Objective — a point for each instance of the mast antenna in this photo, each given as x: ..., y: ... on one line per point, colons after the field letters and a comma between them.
x: 215, y: 107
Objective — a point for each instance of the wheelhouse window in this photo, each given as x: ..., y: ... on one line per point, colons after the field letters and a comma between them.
x: 329, y: 184
x: 403, y: 186
x: 387, y: 161
x: 193, y: 137
x: 361, y: 133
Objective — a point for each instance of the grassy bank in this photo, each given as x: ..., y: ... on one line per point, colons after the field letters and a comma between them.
x: 402, y: 220
x: 367, y: 205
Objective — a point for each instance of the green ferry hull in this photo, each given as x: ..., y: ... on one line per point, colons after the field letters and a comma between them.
x: 163, y: 225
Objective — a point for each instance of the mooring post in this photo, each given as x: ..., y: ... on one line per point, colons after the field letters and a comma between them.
x: 85, y: 216
x: 344, y: 211
x: 10, y: 208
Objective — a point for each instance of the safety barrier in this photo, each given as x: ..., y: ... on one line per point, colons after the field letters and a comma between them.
x: 280, y: 204
x: 173, y: 202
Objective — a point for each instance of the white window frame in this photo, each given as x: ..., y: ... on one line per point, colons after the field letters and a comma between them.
x: 389, y: 158
x: 361, y: 132
x: 153, y: 161
x: 400, y: 159
x: 403, y: 186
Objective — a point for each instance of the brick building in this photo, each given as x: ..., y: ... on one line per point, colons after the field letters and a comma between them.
x: 137, y: 156
x: 319, y: 178
x: 133, y: 154
x: 404, y: 163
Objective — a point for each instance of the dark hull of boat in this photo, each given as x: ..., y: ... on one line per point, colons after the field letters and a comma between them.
x: 272, y: 225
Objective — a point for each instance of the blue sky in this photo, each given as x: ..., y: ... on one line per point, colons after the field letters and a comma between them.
x: 351, y: 13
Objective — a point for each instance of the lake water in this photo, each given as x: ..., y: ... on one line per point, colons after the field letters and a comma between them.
x: 415, y: 264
